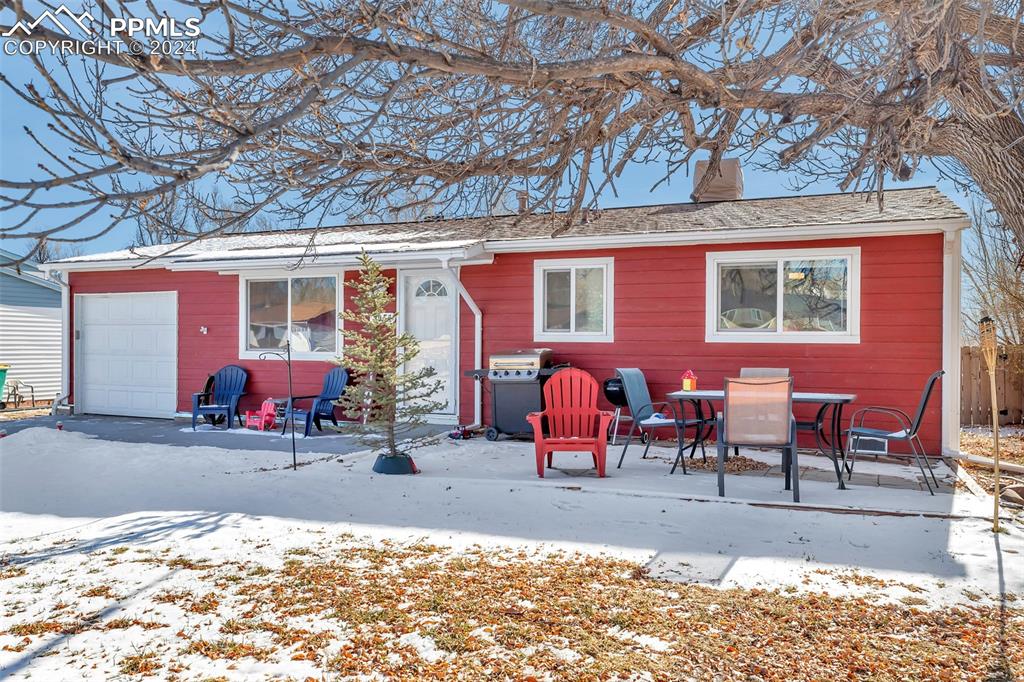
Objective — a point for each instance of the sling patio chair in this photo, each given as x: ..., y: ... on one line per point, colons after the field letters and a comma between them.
x: 651, y: 416
x: 749, y: 372
x: 907, y: 431
x: 758, y: 412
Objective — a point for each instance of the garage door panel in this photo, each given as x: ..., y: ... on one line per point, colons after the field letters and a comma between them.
x: 166, y: 372
x: 93, y: 310
x: 128, y: 354
x: 114, y: 342
x: 166, y: 308
x: 119, y: 309
x: 167, y: 346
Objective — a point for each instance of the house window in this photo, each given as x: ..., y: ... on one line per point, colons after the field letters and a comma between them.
x: 573, y: 300
x: 302, y: 309
x: 799, y: 295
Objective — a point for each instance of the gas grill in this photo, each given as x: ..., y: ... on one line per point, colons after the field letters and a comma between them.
x: 517, y: 380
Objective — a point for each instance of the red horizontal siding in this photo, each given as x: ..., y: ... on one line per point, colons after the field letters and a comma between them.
x: 659, y: 323
x: 210, y: 300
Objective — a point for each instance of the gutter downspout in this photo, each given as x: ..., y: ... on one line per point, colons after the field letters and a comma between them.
x: 65, y: 346
x: 478, y: 343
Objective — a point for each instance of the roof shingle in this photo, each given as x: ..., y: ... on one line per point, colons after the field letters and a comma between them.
x: 903, y: 205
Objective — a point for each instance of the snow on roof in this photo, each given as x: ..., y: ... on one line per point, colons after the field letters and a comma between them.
x: 926, y: 204
x: 280, y: 244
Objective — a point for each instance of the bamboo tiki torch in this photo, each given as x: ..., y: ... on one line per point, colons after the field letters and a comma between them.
x: 987, y: 333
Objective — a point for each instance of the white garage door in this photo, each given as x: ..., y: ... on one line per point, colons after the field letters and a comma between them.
x: 127, y: 354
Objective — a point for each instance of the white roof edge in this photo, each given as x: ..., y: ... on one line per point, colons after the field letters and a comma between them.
x: 730, y: 236
x: 481, y: 248
x: 32, y: 279
x: 467, y: 253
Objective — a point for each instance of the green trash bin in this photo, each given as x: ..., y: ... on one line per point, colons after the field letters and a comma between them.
x: 3, y: 380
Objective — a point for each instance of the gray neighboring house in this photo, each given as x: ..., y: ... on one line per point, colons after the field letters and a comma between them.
x: 30, y: 327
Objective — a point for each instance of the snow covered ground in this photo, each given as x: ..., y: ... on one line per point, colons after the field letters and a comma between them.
x: 68, y: 501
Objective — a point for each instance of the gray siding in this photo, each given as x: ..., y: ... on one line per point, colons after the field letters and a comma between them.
x: 30, y: 318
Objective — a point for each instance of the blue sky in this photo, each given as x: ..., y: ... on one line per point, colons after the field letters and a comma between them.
x: 19, y: 157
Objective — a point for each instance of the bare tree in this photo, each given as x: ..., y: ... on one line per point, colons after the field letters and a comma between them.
x: 312, y: 109
x: 996, y: 280
x: 170, y: 217
x: 47, y: 252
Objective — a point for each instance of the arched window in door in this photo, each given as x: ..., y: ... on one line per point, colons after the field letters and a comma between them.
x: 432, y: 288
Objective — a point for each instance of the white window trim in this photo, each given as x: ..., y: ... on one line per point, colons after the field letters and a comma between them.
x: 243, y: 313
x: 717, y: 258
x: 539, y: 266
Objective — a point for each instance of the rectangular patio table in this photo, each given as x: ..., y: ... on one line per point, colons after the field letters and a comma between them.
x: 830, y: 445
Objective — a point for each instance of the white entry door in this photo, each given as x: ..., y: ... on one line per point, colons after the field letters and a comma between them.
x: 429, y: 301
x: 127, y: 354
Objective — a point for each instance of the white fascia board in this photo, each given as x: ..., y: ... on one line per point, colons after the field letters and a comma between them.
x: 32, y: 279
x: 473, y: 254
x: 100, y: 265
x: 731, y: 236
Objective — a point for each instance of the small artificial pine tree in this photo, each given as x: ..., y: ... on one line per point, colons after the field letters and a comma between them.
x: 390, y: 396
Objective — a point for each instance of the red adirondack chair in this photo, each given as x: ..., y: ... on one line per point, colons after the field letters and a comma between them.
x: 574, y: 423
x: 264, y: 418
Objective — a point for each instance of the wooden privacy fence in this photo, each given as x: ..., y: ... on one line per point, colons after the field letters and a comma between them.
x: 975, y: 395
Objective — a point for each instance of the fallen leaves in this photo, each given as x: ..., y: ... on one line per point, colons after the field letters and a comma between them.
x: 1011, y: 445
x: 140, y: 664
x: 419, y: 611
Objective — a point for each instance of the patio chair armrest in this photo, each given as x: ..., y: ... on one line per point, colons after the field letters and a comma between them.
x: 304, y: 397
x: 535, y: 420
x: 899, y: 415
x: 604, y: 422
x: 671, y: 407
x: 200, y: 394
x: 646, y: 411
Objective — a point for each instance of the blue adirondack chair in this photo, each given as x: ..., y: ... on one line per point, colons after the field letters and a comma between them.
x: 322, y: 406
x: 228, y: 387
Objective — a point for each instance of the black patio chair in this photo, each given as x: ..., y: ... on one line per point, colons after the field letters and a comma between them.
x: 907, y: 431
x: 651, y: 416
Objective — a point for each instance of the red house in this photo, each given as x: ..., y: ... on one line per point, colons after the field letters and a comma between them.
x: 850, y: 297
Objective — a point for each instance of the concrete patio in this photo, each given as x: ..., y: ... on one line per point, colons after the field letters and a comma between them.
x: 178, y: 432
x: 889, y: 484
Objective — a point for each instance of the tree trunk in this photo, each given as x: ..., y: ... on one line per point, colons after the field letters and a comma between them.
x: 986, y: 150
x: 987, y: 138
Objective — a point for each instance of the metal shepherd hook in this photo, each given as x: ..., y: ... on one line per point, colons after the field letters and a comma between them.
x: 290, y: 416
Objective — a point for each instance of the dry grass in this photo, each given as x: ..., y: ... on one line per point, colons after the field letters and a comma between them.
x: 14, y: 415
x: 140, y: 664
x: 492, y: 614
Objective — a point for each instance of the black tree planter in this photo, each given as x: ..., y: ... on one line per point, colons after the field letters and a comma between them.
x: 395, y: 465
